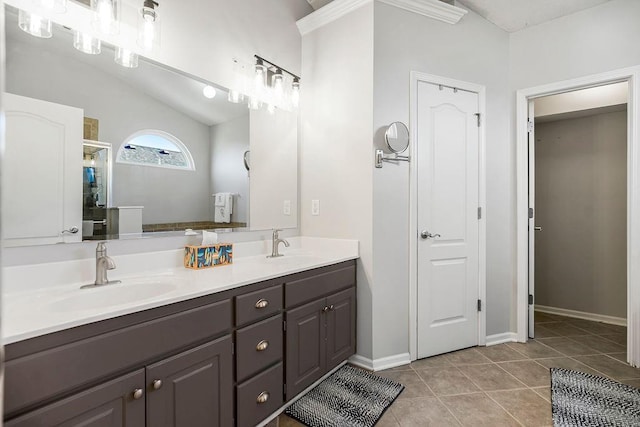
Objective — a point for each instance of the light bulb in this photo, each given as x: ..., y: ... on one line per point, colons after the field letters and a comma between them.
x: 126, y: 58
x: 234, y: 96
x: 295, y: 92
x: 105, y: 16
x: 86, y: 43
x: 209, y: 92
x: 34, y: 24
x: 147, y: 25
x: 260, y: 79
x: 277, y: 84
x: 254, y: 103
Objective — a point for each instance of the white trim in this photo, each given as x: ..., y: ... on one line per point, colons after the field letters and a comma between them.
x: 338, y: 8
x: 416, y: 77
x: 632, y: 75
x: 382, y: 363
x: 612, y: 320
x: 501, y: 338
x: 298, y: 396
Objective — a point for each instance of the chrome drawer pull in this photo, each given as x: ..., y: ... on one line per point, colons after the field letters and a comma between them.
x: 262, y: 303
x: 262, y: 345
x: 263, y: 397
x: 137, y: 393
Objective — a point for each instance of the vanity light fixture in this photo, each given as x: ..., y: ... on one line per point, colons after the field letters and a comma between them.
x: 126, y: 57
x: 274, y: 93
x: 260, y: 78
x: 148, y: 25
x: 34, y: 24
x: 106, y: 16
x: 295, y: 92
x: 209, y: 92
x: 86, y: 43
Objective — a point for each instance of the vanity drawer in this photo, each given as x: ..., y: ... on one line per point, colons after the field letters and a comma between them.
x: 258, y: 346
x: 309, y: 288
x: 258, y: 304
x: 46, y: 374
x: 259, y: 397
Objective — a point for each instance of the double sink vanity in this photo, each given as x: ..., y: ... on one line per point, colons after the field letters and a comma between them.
x: 168, y: 346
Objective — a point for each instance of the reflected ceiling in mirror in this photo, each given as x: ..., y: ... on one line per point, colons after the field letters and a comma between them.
x: 147, y: 120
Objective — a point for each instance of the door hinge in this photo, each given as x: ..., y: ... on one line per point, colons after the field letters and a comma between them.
x: 530, y: 125
x: 479, y: 305
x: 479, y: 213
x: 530, y: 299
x: 530, y: 213
x: 477, y: 118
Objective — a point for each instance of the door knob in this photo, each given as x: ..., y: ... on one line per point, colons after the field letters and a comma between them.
x: 426, y: 235
x: 537, y: 228
x: 72, y: 230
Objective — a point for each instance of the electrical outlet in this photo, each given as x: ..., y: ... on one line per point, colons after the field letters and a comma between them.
x: 315, y: 207
x: 286, y: 207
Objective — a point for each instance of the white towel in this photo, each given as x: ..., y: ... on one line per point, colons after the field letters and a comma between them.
x: 223, y: 207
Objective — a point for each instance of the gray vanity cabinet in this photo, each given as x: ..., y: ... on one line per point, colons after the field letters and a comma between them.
x: 192, y: 388
x: 321, y: 333
x: 117, y: 403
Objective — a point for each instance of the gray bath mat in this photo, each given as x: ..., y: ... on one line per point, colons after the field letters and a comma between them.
x: 579, y: 399
x: 350, y: 397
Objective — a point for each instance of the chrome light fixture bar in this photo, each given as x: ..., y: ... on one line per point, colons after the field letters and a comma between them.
x: 273, y: 90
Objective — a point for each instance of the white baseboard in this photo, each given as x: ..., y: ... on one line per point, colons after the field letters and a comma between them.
x: 620, y: 321
x: 501, y: 338
x: 382, y: 363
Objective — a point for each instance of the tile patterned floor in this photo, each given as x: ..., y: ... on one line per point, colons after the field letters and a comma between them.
x: 506, y: 384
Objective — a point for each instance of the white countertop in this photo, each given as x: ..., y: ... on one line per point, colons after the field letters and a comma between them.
x: 43, y: 298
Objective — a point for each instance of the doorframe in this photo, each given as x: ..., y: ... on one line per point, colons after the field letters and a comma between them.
x: 416, y: 77
x: 632, y: 76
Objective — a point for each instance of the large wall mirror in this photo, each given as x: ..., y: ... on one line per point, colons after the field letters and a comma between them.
x: 111, y: 151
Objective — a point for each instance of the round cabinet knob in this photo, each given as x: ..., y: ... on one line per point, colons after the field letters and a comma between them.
x: 325, y: 309
x: 262, y: 303
x: 262, y: 345
x: 331, y: 307
x: 156, y: 384
x: 137, y: 393
x: 263, y: 397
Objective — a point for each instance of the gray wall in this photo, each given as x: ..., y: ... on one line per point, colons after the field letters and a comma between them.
x: 581, y: 201
x: 167, y: 195
x: 229, y: 141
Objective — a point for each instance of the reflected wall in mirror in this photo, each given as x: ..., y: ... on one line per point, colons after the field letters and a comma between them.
x: 94, y: 145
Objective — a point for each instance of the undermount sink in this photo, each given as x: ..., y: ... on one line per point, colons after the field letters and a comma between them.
x: 130, y: 290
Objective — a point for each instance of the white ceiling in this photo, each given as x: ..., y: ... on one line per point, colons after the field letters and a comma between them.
x: 514, y: 15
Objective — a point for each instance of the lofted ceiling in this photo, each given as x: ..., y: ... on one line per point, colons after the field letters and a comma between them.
x: 512, y: 15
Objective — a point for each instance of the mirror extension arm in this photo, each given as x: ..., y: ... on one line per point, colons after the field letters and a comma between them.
x: 396, y: 158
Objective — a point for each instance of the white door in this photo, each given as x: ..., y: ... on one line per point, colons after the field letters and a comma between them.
x: 532, y: 215
x: 448, y: 226
x: 42, y: 172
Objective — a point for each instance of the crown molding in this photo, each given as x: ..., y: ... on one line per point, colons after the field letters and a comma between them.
x: 337, y: 8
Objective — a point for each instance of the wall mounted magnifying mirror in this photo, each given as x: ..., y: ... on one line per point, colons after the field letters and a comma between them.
x: 397, y: 139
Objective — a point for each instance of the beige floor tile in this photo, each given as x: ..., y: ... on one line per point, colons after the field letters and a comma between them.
x: 567, y: 363
x: 431, y: 362
x: 388, y: 420
x: 566, y: 329
x: 610, y: 366
x: 491, y: 377
x: 568, y: 347
x: 620, y: 339
x: 422, y: 412
x: 447, y: 381
x: 542, y: 332
x: 632, y: 383
x: 528, y: 371
x: 619, y: 356
x: 596, y: 328
x: 414, y: 386
x: 540, y: 317
x: 406, y: 367
x: 470, y: 356
x: 526, y: 406
x: 500, y: 353
x: 478, y: 410
x: 545, y: 392
x: 534, y: 350
x: 599, y: 345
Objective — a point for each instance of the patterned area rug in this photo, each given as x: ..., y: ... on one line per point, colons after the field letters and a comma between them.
x: 350, y: 397
x: 579, y: 399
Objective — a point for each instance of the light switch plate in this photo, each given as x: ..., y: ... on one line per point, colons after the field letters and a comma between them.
x: 315, y: 207
x: 286, y: 207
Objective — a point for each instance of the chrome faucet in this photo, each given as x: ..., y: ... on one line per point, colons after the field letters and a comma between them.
x: 275, y: 243
x: 103, y: 264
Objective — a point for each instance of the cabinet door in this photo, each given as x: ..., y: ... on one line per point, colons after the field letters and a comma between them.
x: 306, y: 347
x: 193, y: 388
x: 341, y: 327
x: 112, y: 404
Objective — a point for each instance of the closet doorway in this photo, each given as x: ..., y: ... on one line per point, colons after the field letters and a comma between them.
x: 578, y: 210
